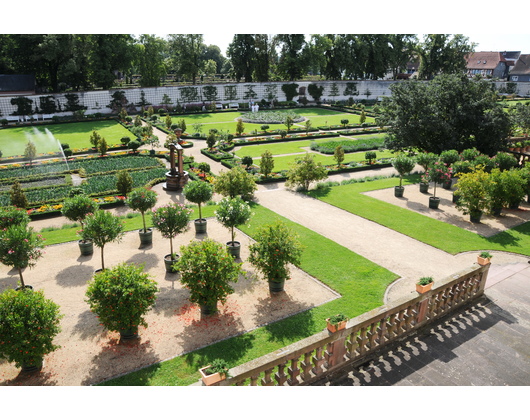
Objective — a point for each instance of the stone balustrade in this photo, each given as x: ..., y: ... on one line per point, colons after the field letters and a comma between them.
x: 310, y: 359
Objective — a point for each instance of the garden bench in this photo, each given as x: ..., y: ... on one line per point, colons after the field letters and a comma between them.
x: 236, y: 105
x: 16, y: 119
x: 219, y: 106
x: 47, y: 117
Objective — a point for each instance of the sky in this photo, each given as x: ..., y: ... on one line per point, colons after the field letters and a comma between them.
x: 486, y: 42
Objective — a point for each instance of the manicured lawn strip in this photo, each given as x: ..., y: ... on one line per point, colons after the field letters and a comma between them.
x: 335, y: 119
x: 77, y: 135
x: 280, y: 148
x: 433, y: 232
x: 282, y: 162
x: 361, y: 283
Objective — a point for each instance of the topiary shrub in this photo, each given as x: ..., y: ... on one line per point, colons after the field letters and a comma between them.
x: 125, y: 140
x: 171, y: 220
x: 77, y: 207
x: 65, y: 146
x: 134, y: 145
x: 68, y: 152
x: 124, y: 182
x: 198, y: 192
x: 142, y: 199
x: 247, y: 160
x: 232, y: 212
x: 370, y: 156
x: 17, y: 196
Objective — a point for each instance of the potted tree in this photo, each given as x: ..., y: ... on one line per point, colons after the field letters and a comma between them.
x: 513, y: 183
x: 216, y: 372
x: 424, y: 285
x: 143, y: 199
x: 496, y: 196
x: 19, y: 248
x: 121, y: 296
x: 233, y: 212
x: 472, y: 194
x: 102, y: 227
x: 76, y: 209
x: 198, y: 192
x: 336, y: 322
x: 403, y: 165
x: 29, y: 323
x: 425, y: 160
x: 484, y: 258
x: 439, y: 172
x: 171, y: 220
x: 207, y: 271
x: 276, y: 246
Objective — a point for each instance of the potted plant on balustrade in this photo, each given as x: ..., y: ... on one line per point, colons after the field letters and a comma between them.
x: 336, y: 322
x: 207, y: 271
x: 171, y: 220
x: 76, y: 209
x: 484, y: 258
x: 199, y: 192
x: 472, y: 193
x: 425, y: 160
x: 102, y: 227
x: 403, y: 165
x: 438, y: 173
x: 232, y: 212
x: 275, y: 248
x: 143, y: 199
x: 424, y: 285
x: 20, y: 247
x: 28, y: 324
x: 215, y: 372
x: 121, y: 296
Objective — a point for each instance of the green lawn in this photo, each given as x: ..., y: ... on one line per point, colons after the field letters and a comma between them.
x: 77, y: 135
x: 335, y: 119
x: 226, y: 120
x: 433, y: 232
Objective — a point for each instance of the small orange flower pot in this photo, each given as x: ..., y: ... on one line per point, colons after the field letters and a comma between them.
x: 423, y: 289
x: 333, y: 328
x: 483, y: 261
x: 211, y: 379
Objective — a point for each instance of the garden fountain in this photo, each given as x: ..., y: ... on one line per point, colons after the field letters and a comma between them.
x: 176, y: 179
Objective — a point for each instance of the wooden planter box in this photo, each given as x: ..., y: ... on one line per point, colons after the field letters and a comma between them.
x: 483, y: 261
x: 333, y: 328
x: 423, y: 289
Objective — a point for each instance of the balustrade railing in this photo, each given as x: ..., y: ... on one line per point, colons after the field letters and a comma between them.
x: 310, y: 359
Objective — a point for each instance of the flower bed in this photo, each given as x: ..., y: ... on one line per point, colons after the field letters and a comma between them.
x: 47, y: 210
x: 289, y: 137
x: 216, y: 154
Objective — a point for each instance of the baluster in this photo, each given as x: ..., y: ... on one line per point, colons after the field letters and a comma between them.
x: 438, y: 306
x: 381, y: 332
x: 459, y: 292
x: 318, y: 361
x: 372, y: 335
x: 362, y: 340
x: 254, y: 380
x: 352, y: 345
x: 267, y: 380
x: 400, y: 322
x: 451, y: 294
x: 241, y: 382
x: 306, y: 366
x: 391, y: 327
x: 281, y: 376
x: 409, y: 317
x: 294, y: 371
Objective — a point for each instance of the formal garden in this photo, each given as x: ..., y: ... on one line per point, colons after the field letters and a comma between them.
x: 188, y: 284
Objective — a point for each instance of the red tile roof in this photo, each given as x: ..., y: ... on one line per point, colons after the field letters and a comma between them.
x: 522, y: 66
x: 484, y: 60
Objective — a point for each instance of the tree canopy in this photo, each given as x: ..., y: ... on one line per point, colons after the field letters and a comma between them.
x: 449, y: 112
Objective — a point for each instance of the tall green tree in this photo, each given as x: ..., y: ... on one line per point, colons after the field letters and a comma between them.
x: 149, y: 58
x: 443, y: 53
x: 213, y: 52
x: 242, y: 53
x: 401, y: 51
x: 325, y: 55
x: 450, y: 112
x: 294, y: 56
x: 262, y: 57
x: 110, y: 52
x: 185, y: 52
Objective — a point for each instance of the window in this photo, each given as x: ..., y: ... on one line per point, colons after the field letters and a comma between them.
x: 478, y: 62
x: 515, y: 78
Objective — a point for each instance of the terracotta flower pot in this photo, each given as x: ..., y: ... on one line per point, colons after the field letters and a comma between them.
x: 483, y: 261
x: 332, y: 328
x: 423, y: 289
x: 211, y: 379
